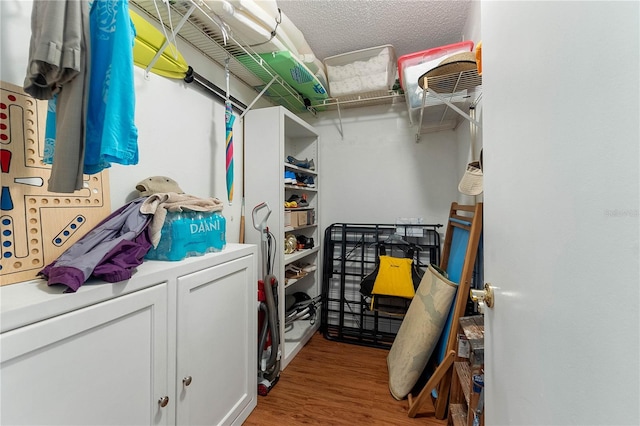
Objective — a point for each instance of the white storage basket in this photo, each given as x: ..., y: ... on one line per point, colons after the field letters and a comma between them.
x: 361, y: 71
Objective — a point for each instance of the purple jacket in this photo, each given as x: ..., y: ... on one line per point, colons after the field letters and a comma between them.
x: 110, y: 251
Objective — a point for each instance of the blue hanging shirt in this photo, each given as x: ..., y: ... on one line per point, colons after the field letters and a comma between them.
x: 112, y: 136
x: 50, y: 130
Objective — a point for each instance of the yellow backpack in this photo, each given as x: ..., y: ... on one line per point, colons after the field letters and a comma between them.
x: 393, y: 279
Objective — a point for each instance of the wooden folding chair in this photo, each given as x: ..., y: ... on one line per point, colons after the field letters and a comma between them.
x: 458, y: 259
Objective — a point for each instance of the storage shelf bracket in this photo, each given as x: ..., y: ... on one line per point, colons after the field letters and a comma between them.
x: 448, y: 103
x: 167, y: 40
x: 264, y: 89
x: 340, y: 120
x: 275, y: 78
x: 370, y: 98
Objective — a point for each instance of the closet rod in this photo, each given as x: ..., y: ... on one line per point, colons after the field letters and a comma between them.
x: 216, y: 91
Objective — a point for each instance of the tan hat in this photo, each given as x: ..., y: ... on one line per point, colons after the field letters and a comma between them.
x: 460, y: 62
x: 471, y: 182
x: 156, y: 185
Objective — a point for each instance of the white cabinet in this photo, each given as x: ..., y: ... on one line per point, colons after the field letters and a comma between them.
x: 271, y: 136
x: 103, y: 364
x: 115, y: 353
x: 216, y: 344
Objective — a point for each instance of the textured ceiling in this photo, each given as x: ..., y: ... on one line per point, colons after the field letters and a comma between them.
x: 332, y: 27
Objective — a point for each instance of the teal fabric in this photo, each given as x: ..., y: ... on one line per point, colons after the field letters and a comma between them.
x: 50, y: 131
x: 112, y: 136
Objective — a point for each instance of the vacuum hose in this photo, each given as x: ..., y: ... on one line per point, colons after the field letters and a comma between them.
x: 263, y: 333
x: 270, y: 287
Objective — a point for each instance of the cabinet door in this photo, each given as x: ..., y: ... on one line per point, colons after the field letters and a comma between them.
x: 217, y: 344
x: 103, y: 364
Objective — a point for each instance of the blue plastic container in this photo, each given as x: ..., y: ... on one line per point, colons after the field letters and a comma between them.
x: 187, y: 234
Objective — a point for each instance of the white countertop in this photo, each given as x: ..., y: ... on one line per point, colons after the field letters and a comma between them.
x: 31, y: 301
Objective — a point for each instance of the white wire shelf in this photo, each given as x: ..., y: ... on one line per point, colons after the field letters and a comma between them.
x: 444, y: 106
x: 202, y: 30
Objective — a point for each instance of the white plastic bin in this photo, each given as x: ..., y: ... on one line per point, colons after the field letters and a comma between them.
x: 361, y: 71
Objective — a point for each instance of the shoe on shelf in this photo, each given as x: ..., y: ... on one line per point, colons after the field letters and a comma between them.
x: 304, y: 242
x: 293, y: 275
x: 300, y: 179
x: 290, y: 205
x: 290, y: 177
x: 305, y: 267
x: 293, y: 272
x: 305, y: 164
x: 309, y: 244
x: 305, y: 180
x: 299, y: 201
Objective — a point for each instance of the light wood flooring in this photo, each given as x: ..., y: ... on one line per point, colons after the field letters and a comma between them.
x: 332, y: 383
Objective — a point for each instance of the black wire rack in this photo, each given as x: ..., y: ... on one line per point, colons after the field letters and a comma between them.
x: 350, y: 254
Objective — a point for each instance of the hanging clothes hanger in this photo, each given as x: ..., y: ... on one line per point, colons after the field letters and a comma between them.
x: 392, y: 239
x: 395, y: 238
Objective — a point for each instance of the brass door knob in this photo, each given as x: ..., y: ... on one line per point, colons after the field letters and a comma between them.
x: 484, y: 296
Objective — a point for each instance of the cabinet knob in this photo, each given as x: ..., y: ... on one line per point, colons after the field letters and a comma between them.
x: 163, y: 401
x: 187, y: 380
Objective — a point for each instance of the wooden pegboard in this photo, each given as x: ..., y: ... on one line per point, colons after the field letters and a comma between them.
x: 37, y: 226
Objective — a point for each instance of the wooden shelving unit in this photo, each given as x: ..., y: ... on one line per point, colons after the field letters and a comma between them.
x: 466, y: 398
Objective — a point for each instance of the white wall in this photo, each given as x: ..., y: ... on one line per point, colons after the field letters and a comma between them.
x: 180, y: 134
x: 181, y: 128
x: 378, y: 172
x: 14, y: 40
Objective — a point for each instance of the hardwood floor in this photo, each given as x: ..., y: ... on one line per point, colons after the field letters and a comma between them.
x: 331, y: 383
